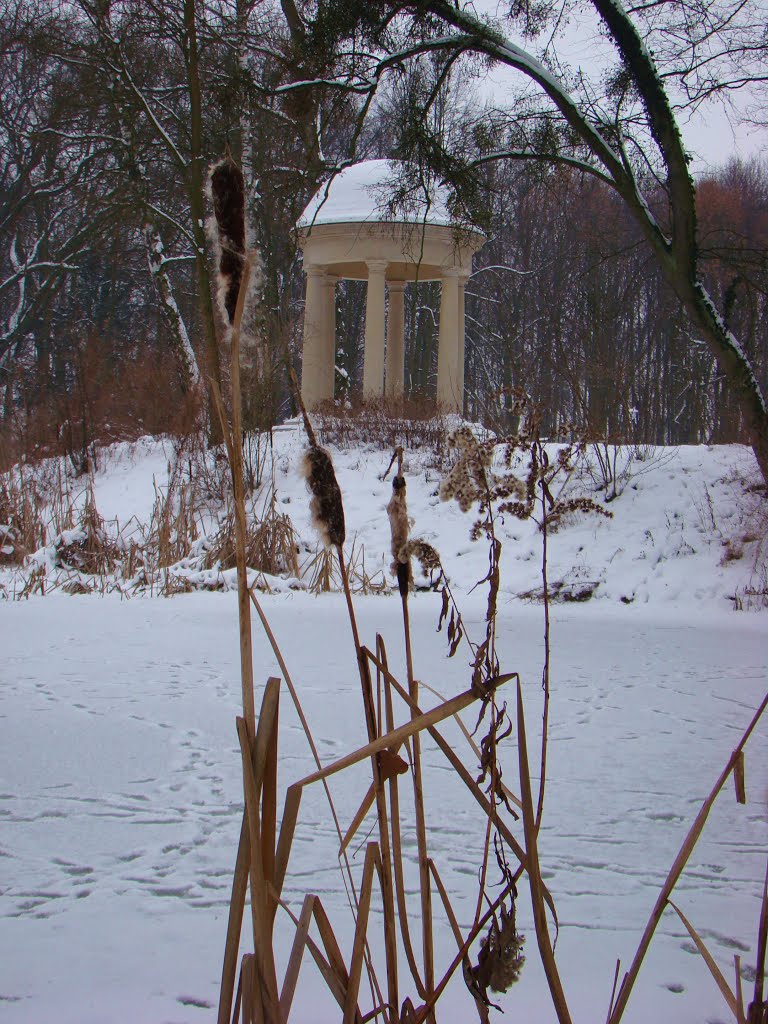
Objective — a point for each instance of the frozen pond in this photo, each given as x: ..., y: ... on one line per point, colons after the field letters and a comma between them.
x: 120, y: 796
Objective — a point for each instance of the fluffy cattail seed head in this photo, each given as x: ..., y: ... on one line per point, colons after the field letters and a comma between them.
x: 397, y: 511
x: 326, y: 504
x: 228, y: 195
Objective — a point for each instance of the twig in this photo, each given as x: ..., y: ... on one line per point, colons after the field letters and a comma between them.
x: 235, y: 452
x: 302, y: 408
x: 392, y: 739
x: 677, y: 869
x: 397, y: 851
x: 545, y: 668
x: 372, y: 860
x: 293, y: 795
x: 459, y: 958
x: 333, y: 969
x: 714, y: 970
x: 234, y: 925
x: 534, y: 872
x: 294, y: 960
x: 387, y: 884
x: 262, y: 932
x: 473, y: 787
x: 740, y: 1018
x: 453, y: 922
x: 511, y: 797
x: 757, y: 1007
x: 421, y: 826
x: 613, y: 989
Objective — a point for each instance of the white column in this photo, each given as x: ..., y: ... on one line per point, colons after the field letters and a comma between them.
x: 463, y: 278
x: 328, y: 366
x: 449, y: 382
x: 313, y: 353
x: 396, y: 340
x: 373, y: 359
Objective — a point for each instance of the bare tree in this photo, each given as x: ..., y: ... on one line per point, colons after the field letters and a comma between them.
x: 621, y: 129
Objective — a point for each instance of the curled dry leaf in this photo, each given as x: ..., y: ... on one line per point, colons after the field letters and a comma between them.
x: 391, y: 764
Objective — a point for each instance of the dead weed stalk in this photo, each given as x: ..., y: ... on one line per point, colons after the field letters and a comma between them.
x: 22, y: 528
x: 263, y: 859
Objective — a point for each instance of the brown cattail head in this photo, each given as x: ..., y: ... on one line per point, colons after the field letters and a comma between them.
x: 228, y: 195
x: 326, y: 504
x: 397, y: 510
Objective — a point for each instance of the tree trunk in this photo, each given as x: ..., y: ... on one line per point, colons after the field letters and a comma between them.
x: 735, y: 367
x: 195, y: 180
x: 180, y: 344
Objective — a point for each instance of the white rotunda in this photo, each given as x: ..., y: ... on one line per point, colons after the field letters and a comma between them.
x: 354, y: 229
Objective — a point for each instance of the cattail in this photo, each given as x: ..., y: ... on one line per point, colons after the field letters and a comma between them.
x: 326, y: 504
x: 227, y: 186
x: 397, y: 511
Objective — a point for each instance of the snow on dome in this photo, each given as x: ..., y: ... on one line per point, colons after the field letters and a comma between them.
x: 365, y: 191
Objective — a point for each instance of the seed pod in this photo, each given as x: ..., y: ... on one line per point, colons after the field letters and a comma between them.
x: 228, y: 195
x: 326, y: 504
x: 500, y: 959
x: 397, y: 511
x: 427, y: 557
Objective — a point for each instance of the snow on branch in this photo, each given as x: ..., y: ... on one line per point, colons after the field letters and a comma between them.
x: 555, y: 158
x: 159, y: 128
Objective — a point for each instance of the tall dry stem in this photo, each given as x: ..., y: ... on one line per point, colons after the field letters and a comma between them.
x: 534, y: 872
x: 677, y: 869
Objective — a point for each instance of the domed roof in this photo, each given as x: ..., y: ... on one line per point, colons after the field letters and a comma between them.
x: 366, y: 191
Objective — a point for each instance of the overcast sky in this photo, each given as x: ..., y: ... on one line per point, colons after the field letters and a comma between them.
x: 713, y: 135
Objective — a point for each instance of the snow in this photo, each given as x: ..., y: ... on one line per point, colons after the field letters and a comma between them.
x: 362, y: 192
x: 120, y: 783
x: 686, y: 526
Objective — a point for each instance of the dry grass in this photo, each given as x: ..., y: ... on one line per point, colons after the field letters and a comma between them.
x: 406, y: 984
x: 89, y: 548
x: 271, y: 543
x: 22, y: 530
x: 187, y: 543
x: 417, y: 425
x: 322, y: 574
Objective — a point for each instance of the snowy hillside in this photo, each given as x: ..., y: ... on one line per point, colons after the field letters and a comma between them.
x: 687, y: 525
x: 120, y: 779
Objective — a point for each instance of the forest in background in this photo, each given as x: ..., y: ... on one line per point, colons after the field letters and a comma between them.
x: 110, y: 114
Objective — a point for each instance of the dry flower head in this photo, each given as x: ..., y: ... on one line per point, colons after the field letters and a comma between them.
x: 501, y: 959
x: 427, y: 556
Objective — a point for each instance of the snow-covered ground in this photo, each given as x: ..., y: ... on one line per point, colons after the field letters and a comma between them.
x: 688, y: 526
x: 120, y: 789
